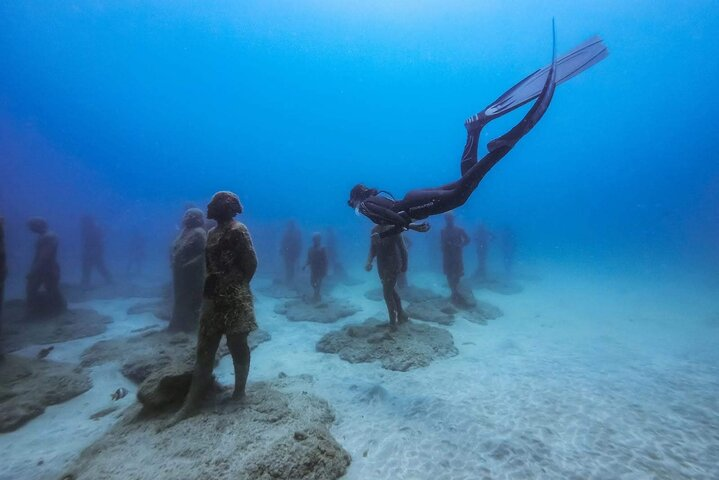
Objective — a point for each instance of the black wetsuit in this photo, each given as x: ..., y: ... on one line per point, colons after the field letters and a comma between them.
x: 422, y: 203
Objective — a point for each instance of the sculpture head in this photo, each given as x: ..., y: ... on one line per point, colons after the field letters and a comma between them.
x: 223, y: 206
x: 449, y: 219
x: 193, y: 218
x: 316, y: 239
x: 37, y: 225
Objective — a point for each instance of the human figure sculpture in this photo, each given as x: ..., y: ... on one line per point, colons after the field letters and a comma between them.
x: 228, y: 306
x: 391, y: 254
x: 188, y: 271
x: 402, y: 279
x: 43, y: 294
x: 290, y: 249
x: 317, y: 261
x: 453, y: 239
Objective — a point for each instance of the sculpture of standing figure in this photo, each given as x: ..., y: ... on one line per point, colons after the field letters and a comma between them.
x: 391, y: 254
x: 44, y: 272
x: 402, y: 279
x: 188, y: 272
x: 93, y: 251
x: 454, y: 239
x: 317, y: 261
x: 228, y: 309
x: 290, y: 249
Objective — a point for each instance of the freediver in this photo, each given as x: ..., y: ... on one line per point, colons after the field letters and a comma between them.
x: 453, y: 240
x: 44, y: 272
x: 382, y: 209
x: 228, y: 308
x: 317, y: 261
x: 391, y: 254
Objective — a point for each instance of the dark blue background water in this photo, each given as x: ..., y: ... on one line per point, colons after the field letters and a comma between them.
x: 127, y: 111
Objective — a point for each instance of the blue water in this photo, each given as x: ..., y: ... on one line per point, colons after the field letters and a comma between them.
x: 130, y: 111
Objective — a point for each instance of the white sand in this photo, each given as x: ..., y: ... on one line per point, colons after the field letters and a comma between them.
x: 586, y: 376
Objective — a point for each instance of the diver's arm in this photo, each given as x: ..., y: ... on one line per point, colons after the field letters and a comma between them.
x: 382, y: 215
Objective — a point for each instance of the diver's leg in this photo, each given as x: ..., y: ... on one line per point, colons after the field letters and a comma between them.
x: 469, y: 155
x: 240, y: 351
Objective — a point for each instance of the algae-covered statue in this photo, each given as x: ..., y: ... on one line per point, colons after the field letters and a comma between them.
x: 391, y: 253
x: 44, y: 273
x: 228, y: 307
x: 317, y: 261
x: 188, y: 271
x: 290, y: 249
x: 454, y: 239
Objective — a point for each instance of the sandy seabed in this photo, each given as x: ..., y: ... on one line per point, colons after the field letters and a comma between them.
x: 585, y: 376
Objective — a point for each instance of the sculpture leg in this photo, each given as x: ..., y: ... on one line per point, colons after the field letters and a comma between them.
x: 240, y: 351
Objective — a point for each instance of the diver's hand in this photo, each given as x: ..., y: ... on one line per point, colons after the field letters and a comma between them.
x: 419, y: 227
x: 368, y: 267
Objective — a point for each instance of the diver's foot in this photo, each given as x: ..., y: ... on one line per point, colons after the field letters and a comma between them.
x: 419, y: 227
x: 238, y: 395
x: 475, y: 123
x: 392, y: 326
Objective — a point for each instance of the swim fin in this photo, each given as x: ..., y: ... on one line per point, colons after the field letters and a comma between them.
x: 567, y: 66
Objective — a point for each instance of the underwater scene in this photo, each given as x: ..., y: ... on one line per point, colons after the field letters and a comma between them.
x: 359, y: 240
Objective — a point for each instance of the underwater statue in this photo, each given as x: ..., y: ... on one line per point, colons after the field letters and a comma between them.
x: 228, y: 306
x: 136, y: 253
x: 381, y: 208
x: 317, y: 261
x: 453, y: 240
x: 44, y: 273
x: 291, y: 249
x: 402, y: 279
x: 3, y: 275
x: 482, y: 238
x: 188, y: 272
x: 93, y: 251
x: 391, y: 254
